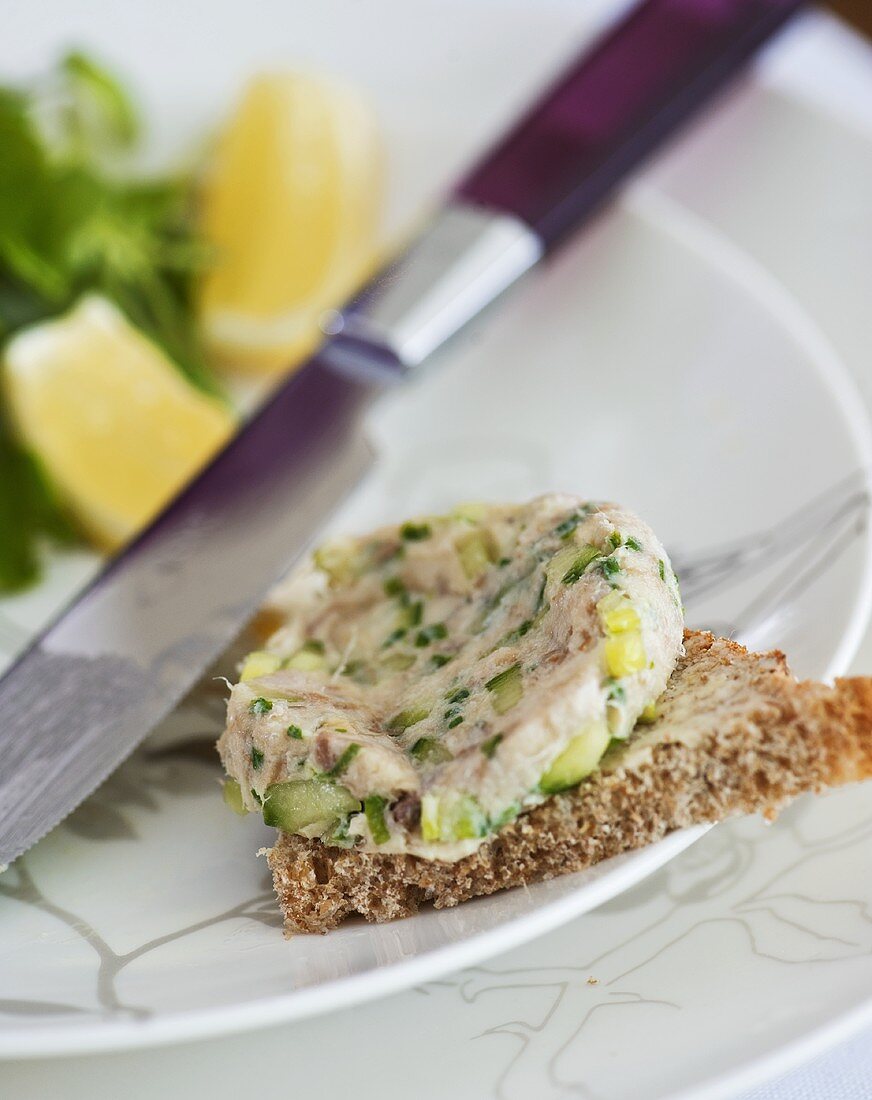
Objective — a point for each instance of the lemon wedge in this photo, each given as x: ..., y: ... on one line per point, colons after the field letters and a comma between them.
x: 117, y: 429
x: 290, y: 209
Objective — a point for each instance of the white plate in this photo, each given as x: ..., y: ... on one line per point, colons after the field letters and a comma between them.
x: 654, y: 363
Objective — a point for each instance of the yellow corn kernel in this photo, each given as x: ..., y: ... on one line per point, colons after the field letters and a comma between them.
x: 430, y: 817
x: 259, y: 663
x: 340, y: 559
x: 617, y: 613
x: 625, y: 653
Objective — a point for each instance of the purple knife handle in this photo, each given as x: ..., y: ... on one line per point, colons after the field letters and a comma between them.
x: 615, y: 105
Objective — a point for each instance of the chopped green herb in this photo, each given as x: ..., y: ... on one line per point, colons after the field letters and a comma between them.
x: 615, y: 539
x: 374, y: 809
x: 341, y: 765
x: 565, y: 529
x: 256, y: 797
x: 256, y: 758
x: 393, y: 586
x: 439, y: 660
x: 633, y: 544
x: 489, y: 747
x: 616, y: 691
x: 415, y: 532
x: 454, y: 721
x: 359, y: 671
x: 74, y: 219
x: 503, y: 562
x: 406, y: 718
x: 506, y: 688
x: 458, y: 695
x: 477, y: 550
x: 610, y: 567
x: 661, y: 565
x: 585, y: 556
x: 295, y: 732
x: 394, y: 636
x: 398, y: 662
x: 432, y: 633
x: 429, y: 751
x: 516, y: 634
x: 260, y: 706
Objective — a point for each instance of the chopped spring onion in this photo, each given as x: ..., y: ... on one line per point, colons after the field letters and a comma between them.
x: 410, y: 717
x: 490, y: 746
x: 342, y: 764
x: 374, y: 809
x: 309, y: 657
x: 506, y: 688
x: 477, y: 551
x: 432, y: 633
x: 582, y: 560
x: 415, y: 532
x: 233, y: 797
x: 256, y: 758
x: 429, y: 751
x: 260, y: 706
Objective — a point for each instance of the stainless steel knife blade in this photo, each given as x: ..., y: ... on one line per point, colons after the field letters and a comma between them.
x: 79, y: 701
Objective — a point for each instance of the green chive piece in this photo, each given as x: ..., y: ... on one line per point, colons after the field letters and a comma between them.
x: 586, y: 555
x: 256, y: 758
x: 661, y: 565
x: 633, y: 544
x: 458, y: 695
x: 429, y: 751
x: 374, y: 810
x: 489, y: 747
x: 256, y: 797
x: 398, y: 662
x: 406, y: 718
x: 506, y: 688
x: 259, y: 706
x: 432, y: 633
x: 393, y: 586
x: 565, y: 529
x: 415, y: 532
x: 610, y: 567
x: 295, y: 732
x: 439, y: 660
x: 615, y: 539
x: 341, y: 765
x: 394, y: 636
x: 455, y: 721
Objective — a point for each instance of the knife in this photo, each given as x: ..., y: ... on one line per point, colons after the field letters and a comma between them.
x: 129, y: 647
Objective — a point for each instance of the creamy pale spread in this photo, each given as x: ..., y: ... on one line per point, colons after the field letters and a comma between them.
x: 435, y: 679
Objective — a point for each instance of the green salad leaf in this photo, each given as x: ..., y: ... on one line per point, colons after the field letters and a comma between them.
x: 73, y: 220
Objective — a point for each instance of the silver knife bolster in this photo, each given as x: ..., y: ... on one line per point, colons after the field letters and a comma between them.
x: 465, y: 258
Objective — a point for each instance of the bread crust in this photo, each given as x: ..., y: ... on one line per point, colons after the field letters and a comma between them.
x: 736, y: 734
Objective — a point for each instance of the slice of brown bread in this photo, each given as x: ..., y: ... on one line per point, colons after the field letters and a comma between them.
x: 736, y: 734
